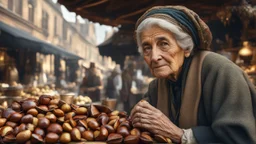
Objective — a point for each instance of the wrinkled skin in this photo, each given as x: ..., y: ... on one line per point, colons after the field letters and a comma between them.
x: 165, y: 59
x: 162, y: 53
x: 148, y: 117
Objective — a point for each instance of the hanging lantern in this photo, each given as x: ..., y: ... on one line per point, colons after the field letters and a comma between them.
x: 246, y: 53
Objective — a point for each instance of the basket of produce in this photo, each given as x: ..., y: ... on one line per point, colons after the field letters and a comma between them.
x: 82, y: 100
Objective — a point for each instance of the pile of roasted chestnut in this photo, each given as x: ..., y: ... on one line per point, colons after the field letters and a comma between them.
x: 49, y: 120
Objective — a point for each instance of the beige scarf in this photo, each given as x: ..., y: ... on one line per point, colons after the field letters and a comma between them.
x: 191, y: 97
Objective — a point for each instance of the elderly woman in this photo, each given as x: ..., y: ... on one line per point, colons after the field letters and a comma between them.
x: 198, y: 96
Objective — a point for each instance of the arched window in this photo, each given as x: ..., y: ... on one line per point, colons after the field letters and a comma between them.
x: 31, y: 10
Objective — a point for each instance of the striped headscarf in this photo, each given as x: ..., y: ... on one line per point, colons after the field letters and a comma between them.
x: 186, y: 19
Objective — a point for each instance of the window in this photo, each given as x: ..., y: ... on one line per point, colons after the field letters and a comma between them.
x: 65, y: 30
x: 30, y: 11
x: 10, y: 4
x: 18, y: 6
x: 70, y: 39
x: 55, y: 25
x: 45, y: 18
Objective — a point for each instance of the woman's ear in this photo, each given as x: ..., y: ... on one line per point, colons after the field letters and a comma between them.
x: 187, y: 53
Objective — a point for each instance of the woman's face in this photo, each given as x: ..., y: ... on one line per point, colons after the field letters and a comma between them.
x: 161, y: 52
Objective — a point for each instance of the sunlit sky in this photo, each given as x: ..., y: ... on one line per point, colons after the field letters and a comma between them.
x: 100, y: 29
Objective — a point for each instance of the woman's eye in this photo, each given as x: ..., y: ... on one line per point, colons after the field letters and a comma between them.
x: 164, y: 44
x: 146, y: 50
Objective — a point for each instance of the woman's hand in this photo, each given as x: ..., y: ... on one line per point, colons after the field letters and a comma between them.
x: 145, y: 116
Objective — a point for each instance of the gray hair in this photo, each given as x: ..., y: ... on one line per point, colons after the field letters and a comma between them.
x: 184, y: 40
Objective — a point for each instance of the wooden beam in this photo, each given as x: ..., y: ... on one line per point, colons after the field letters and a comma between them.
x: 104, y: 20
x: 91, y: 5
x: 133, y: 13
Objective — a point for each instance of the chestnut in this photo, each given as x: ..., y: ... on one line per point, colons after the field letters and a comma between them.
x: 114, y: 113
x: 51, y: 117
x: 66, y: 108
x: 88, y: 135
x: 42, y: 109
x: 44, y: 99
x: 160, y: 139
x: 103, y: 118
x: 26, y: 105
x: 61, y: 102
x: 69, y: 115
x: 55, y: 128
x: 94, y: 111
x: 40, y: 116
x: 9, y: 138
x: 2, y: 121
x: 82, y: 123
x: 146, y: 138
x: 79, y: 117
x: 122, y: 120
x: 27, y: 119
x: 112, y: 122
x: 114, y: 138
x: 60, y: 120
x: 58, y: 112
x: 168, y: 140
x: 90, y: 119
x: 51, y: 138
x: 16, y: 106
x: 75, y: 134
x: 135, y: 132
x: 54, y: 102
x: 65, y: 137
x: 116, y: 124
x: 80, y: 128
x: 126, y: 124
x: 33, y: 112
x: 74, y: 107
x: 39, y: 131
x: 103, y: 135
x: 122, y: 114
x: 109, y: 128
x: 7, y: 113
x: 102, y: 108
x: 96, y: 133
x: 35, y: 138
x: 30, y: 127
x: 52, y: 107
x: 5, y: 130
x: 93, y: 125
x: 23, y: 136
x: 11, y: 124
x: 35, y: 121
x: 123, y: 131
x: 72, y: 122
x: 81, y: 111
x: 19, y: 128
x: 131, y: 139
x: 67, y: 127
x: 114, y: 117
x: 43, y: 122
x: 15, y: 117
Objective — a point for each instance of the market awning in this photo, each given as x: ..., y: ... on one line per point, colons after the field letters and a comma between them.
x: 118, y: 46
x: 14, y: 38
x: 124, y: 12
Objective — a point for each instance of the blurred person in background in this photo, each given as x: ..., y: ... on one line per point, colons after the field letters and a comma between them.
x: 92, y: 83
x: 114, y: 83
x: 126, y: 95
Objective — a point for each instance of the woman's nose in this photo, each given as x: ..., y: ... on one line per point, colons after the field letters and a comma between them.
x: 155, y: 54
